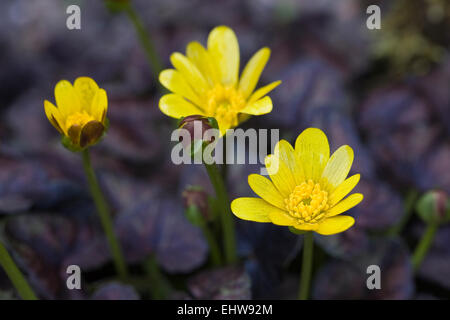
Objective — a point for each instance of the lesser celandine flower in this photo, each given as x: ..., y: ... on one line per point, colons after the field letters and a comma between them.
x: 206, y: 82
x: 80, y: 114
x: 306, y: 189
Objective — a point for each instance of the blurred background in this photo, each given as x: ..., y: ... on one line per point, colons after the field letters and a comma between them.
x: 384, y: 92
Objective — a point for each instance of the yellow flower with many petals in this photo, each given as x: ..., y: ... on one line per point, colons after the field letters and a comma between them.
x: 306, y: 189
x: 81, y: 112
x: 206, y: 82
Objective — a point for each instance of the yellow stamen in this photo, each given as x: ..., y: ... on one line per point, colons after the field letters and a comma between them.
x: 78, y: 119
x: 224, y: 103
x: 307, y: 202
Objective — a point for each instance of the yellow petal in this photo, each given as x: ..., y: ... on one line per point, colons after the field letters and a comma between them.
x: 86, y: 89
x: 313, y: 151
x: 261, y: 92
x: 252, y: 71
x: 335, y: 225
x: 343, y: 189
x: 337, y: 168
x: 280, y: 175
x: 174, y: 81
x: 224, y: 49
x: 203, y: 61
x: 224, y: 125
x: 259, y: 107
x: 346, y: 204
x: 54, y: 116
x: 99, y: 106
x: 190, y: 72
x: 306, y: 226
x: 281, y: 218
x: 253, y: 209
x: 176, y: 106
x: 284, y: 151
x: 67, y: 99
x: 264, y: 188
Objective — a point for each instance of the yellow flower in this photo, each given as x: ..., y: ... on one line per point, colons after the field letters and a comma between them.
x: 81, y: 112
x: 206, y: 82
x: 307, y: 187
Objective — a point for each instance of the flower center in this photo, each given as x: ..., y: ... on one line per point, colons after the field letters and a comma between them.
x: 224, y: 104
x: 307, y: 202
x: 78, y: 119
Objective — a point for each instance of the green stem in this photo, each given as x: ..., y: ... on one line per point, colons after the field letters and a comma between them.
x: 305, y: 277
x: 214, y: 249
x: 226, y: 214
x: 105, y: 218
x: 159, y: 287
x: 14, y: 274
x: 423, y: 246
x: 410, y: 200
x: 145, y: 40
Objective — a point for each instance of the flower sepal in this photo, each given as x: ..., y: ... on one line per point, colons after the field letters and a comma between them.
x: 195, y: 196
x: 434, y: 207
x: 88, y: 137
x: 296, y: 231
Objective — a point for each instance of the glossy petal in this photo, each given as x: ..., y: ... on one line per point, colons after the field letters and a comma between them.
x: 280, y: 175
x: 224, y: 49
x: 190, y: 72
x: 261, y: 92
x: 345, y: 204
x: 253, y: 209
x: 67, y: 99
x: 281, y: 218
x: 265, y: 188
x: 176, y: 106
x: 252, y: 71
x: 313, y: 151
x: 286, y: 152
x: 203, y: 61
x: 259, y: 107
x: 335, y: 225
x: 337, y: 168
x: 343, y: 189
x: 175, y: 82
x: 86, y: 88
x: 54, y: 116
x: 306, y: 227
x: 99, y: 106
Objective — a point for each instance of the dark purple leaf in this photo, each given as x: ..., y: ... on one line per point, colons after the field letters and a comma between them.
x: 181, y: 246
x: 45, y: 245
x: 381, y: 208
x: 26, y: 184
x: 229, y: 283
x: 400, y: 129
x: 133, y: 134
x: 347, y: 279
x: 434, y: 171
x: 307, y: 85
x: 345, y: 245
x: 115, y: 291
x: 159, y: 226
x: 436, y: 265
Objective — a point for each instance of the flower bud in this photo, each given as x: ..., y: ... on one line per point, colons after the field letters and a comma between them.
x: 198, y: 198
x: 433, y: 206
x: 196, y: 125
